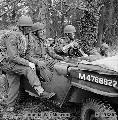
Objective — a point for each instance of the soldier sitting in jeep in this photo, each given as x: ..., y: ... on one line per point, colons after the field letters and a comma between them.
x: 69, y: 46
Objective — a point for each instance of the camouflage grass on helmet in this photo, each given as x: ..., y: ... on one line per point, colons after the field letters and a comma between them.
x: 37, y: 26
x: 25, y: 21
x: 69, y: 29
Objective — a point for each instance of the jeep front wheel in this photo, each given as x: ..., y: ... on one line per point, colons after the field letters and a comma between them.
x: 94, y: 110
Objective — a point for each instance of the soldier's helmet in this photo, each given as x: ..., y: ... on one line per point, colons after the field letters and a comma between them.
x: 69, y: 29
x: 25, y: 21
x: 37, y: 26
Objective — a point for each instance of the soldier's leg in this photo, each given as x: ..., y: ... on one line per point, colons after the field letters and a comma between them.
x: 28, y: 73
x: 47, y: 72
x: 14, y: 81
x: 50, y: 64
x: 33, y: 80
x: 44, y: 71
x: 13, y: 90
x: 13, y: 78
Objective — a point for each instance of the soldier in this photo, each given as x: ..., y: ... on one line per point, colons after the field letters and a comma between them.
x: 43, y: 51
x: 104, y: 49
x: 13, y: 46
x: 69, y: 42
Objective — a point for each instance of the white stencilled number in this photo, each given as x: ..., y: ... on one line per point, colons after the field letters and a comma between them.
x: 96, y: 79
x: 105, y: 82
x: 101, y: 80
x: 92, y: 78
x: 114, y: 83
x: 110, y: 82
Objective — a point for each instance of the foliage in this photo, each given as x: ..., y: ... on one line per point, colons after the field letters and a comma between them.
x: 95, y: 20
x: 84, y: 15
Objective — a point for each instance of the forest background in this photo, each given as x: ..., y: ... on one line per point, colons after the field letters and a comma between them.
x: 96, y: 21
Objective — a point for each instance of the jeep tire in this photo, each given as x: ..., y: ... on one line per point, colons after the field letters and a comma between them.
x: 91, y: 110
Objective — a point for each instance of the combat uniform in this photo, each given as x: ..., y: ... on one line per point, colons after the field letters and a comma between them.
x: 58, y: 48
x: 34, y: 54
x: 52, y: 57
x: 13, y: 46
x: 41, y: 56
x: 64, y: 48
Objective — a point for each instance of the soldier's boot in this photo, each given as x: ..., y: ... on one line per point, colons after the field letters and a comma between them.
x: 44, y: 94
x: 47, y: 95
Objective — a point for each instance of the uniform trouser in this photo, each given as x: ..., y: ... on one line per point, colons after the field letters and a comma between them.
x: 13, y: 77
x: 50, y: 64
x: 45, y: 73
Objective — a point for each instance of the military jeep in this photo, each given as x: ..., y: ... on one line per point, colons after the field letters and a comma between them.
x: 92, y: 86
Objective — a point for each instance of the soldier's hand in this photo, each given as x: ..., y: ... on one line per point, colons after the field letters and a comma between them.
x: 32, y: 66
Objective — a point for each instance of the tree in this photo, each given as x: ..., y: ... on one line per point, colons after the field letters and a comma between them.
x: 95, y: 20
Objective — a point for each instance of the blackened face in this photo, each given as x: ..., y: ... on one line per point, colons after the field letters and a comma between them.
x: 25, y: 29
x: 40, y: 33
x: 71, y: 35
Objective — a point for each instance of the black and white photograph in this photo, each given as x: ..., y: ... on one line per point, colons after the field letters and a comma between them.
x: 58, y: 59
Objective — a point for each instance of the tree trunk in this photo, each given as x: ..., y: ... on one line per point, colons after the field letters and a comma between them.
x: 111, y: 11
x: 43, y: 17
x: 101, y: 26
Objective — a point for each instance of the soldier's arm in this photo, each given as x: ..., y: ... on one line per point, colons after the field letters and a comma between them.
x: 66, y: 47
x: 12, y: 51
x: 82, y: 52
x: 52, y: 54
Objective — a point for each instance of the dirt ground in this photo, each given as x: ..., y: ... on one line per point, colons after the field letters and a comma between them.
x: 28, y: 105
